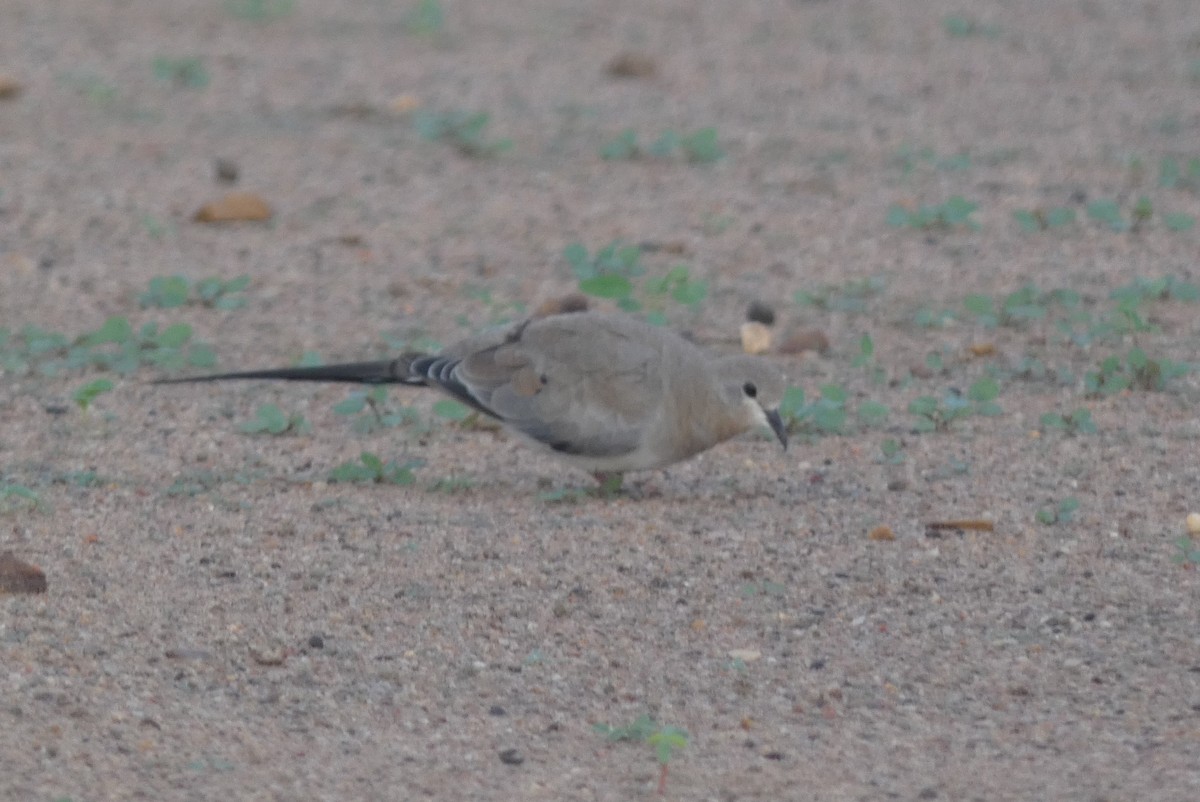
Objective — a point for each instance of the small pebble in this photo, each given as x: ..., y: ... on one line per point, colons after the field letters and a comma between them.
x: 316, y: 642
x: 759, y: 312
x: 756, y: 338
x: 632, y: 65
x: 805, y: 340
x: 511, y: 757
x: 18, y: 576
x: 226, y: 170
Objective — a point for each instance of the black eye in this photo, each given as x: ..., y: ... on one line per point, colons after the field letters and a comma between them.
x: 749, y: 389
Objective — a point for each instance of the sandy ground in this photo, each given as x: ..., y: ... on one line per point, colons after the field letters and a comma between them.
x: 224, y: 623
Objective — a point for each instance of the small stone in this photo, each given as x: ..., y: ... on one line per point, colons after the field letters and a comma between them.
x: 756, y: 338
x: 9, y: 88
x: 511, y: 757
x: 316, y: 642
x: 234, y: 207
x: 18, y: 576
x: 759, y: 312
x: 632, y: 65
x: 497, y: 710
x: 745, y: 655
x: 567, y: 304
x: 882, y: 532
x: 805, y: 340
x: 226, y: 170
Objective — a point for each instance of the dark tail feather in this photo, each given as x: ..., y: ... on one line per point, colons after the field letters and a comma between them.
x: 385, y: 371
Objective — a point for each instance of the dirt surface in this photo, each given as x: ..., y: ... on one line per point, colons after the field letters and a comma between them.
x: 222, y: 622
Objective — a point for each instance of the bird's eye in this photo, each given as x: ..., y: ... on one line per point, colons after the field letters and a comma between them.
x: 749, y: 389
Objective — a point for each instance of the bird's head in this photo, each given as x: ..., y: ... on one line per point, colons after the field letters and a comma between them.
x: 755, y: 388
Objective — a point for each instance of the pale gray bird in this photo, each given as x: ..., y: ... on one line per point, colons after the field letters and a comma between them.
x: 605, y: 392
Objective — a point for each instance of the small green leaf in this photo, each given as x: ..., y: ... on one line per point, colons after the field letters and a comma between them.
x: 608, y: 285
x: 86, y: 394
x: 985, y: 389
x: 451, y: 410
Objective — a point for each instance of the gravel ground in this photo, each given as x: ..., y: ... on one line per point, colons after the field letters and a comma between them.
x: 221, y: 621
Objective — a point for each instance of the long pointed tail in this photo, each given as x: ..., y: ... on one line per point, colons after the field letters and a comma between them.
x: 384, y: 371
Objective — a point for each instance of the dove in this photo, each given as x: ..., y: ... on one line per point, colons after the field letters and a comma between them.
x: 605, y: 392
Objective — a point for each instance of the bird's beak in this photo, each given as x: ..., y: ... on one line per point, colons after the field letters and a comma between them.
x: 777, y: 426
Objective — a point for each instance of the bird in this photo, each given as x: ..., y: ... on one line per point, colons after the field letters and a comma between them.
x: 604, y: 391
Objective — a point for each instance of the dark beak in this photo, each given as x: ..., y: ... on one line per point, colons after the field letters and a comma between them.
x: 777, y: 426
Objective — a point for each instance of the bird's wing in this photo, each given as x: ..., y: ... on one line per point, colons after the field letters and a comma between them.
x: 583, y: 384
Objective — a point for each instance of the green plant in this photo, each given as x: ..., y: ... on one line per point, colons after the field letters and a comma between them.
x: 698, y: 147
x: 1179, y: 221
x: 1137, y: 371
x: 824, y: 415
x: 1060, y: 513
x: 1018, y: 307
x: 464, y: 130
x: 623, y: 147
x: 13, y: 496
x: 188, y: 73
x: 909, y: 158
x: 954, y: 213
x: 1072, y: 423
x: 665, y: 741
x: 613, y: 271
x: 451, y: 410
x: 891, y: 452
x: 934, y: 414
x: 928, y: 318
x: 1172, y: 176
x: 1108, y: 212
x: 115, y: 346
x: 1034, y: 220
x: 452, y: 484
x: 1167, y: 288
x: 371, y: 469
x: 259, y: 10
x: 89, y: 392
x: 270, y: 419
x: 425, y: 19
x: 852, y: 296
x: 959, y: 27
x: 866, y: 360
x: 374, y: 411
x: 1188, y: 551
x: 169, y: 292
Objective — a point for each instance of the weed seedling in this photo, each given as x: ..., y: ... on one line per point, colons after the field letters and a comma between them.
x: 1034, y: 220
x: 371, y: 469
x: 14, y: 496
x: 1188, y: 552
x: 270, y: 419
x: 955, y: 213
x: 665, y: 741
x: 935, y: 414
x: 824, y: 415
x: 1060, y: 513
x: 89, y: 392
x: 464, y: 130
x: 853, y: 296
x: 169, y: 292
x: 374, y: 411
x: 426, y: 19
x: 188, y: 73
x: 259, y: 10
x: 1072, y: 423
